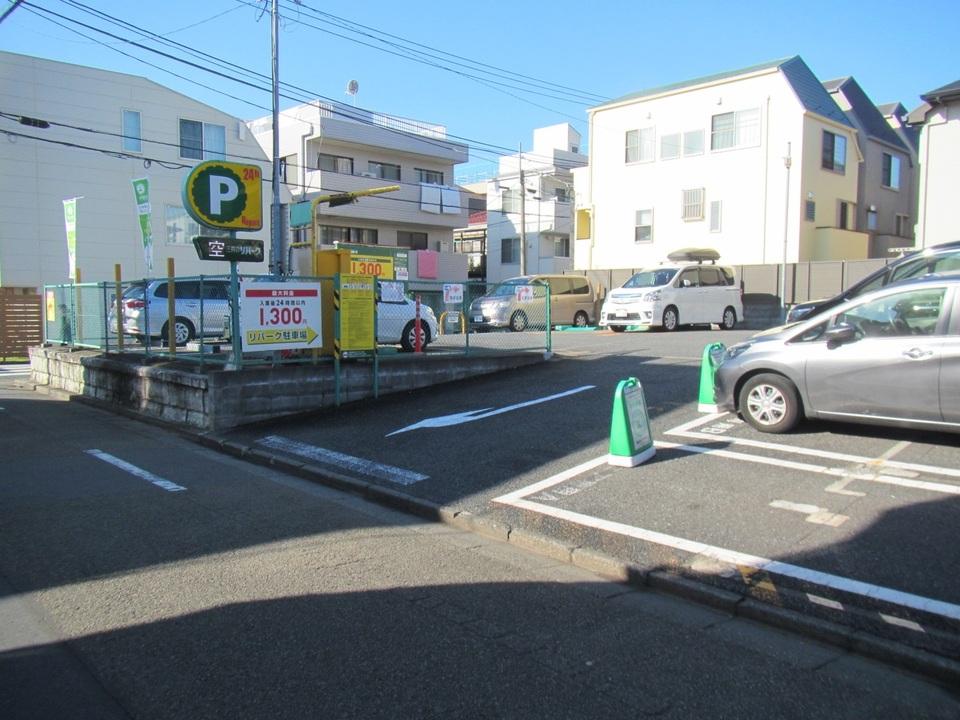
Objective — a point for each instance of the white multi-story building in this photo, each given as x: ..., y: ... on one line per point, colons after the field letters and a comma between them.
x: 532, y: 198
x: 760, y: 164
x: 80, y: 132
x: 938, y: 217
x: 331, y: 148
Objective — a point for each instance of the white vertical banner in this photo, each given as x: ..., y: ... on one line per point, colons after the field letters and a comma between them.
x: 70, y: 222
x: 141, y: 192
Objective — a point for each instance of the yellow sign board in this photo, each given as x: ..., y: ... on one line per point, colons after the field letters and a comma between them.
x: 377, y: 265
x: 357, y: 331
x: 225, y: 195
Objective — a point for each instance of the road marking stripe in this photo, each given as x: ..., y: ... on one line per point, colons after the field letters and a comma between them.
x: 825, y: 454
x: 138, y: 472
x: 895, y: 450
x: 331, y: 457
x: 909, y: 624
x: 826, y: 602
x: 796, y: 507
x: 554, y: 480
x: 733, y: 557
x: 807, y: 467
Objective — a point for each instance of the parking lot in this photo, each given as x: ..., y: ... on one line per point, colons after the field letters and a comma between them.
x: 833, y: 518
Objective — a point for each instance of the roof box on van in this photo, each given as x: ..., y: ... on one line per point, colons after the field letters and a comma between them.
x: 694, y: 255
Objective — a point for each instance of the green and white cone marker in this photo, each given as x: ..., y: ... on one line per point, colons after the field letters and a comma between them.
x: 630, y: 440
x: 712, y: 354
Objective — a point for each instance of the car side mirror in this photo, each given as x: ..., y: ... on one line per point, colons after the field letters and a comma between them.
x: 841, y: 334
x: 685, y: 283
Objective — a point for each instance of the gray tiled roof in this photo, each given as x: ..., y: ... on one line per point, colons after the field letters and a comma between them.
x: 866, y: 113
x: 805, y: 84
x: 946, y: 92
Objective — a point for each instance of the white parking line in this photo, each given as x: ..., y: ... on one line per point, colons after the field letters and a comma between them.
x: 864, y: 475
x: 684, y: 431
x: 136, y: 471
x: 814, y: 514
x: 349, y: 462
x: 732, y: 557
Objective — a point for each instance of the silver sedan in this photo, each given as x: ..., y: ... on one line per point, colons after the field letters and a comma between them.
x: 889, y: 357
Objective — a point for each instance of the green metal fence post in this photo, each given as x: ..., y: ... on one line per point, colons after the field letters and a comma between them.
x: 549, y: 328
x: 236, y: 341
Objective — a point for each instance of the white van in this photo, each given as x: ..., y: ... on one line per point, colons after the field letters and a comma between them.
x: 675, y: 294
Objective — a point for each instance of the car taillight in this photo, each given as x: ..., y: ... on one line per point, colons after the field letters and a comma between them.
x: 134, y: 304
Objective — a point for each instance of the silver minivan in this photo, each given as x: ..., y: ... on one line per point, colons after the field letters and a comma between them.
x: 520, y: 302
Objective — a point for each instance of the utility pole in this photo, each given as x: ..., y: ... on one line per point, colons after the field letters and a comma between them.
x: 523, y: 215
x: 787, y: 162
x: 276, y: 239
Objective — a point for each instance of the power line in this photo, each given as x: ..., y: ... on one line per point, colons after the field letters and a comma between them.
x: 337, y: 109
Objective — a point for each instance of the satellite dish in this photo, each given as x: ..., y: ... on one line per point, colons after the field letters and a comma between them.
x: 353, y: 87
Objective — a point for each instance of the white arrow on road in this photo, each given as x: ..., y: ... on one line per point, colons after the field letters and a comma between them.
x: 471, y: 415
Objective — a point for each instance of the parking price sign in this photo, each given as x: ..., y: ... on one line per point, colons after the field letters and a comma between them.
x: 280, y: 316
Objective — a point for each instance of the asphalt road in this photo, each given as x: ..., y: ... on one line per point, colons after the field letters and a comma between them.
x: 143, y: 576
x: 868, y: 513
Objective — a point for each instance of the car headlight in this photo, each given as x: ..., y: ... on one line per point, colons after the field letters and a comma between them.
x: 653, y: 296
x: 736, y: 350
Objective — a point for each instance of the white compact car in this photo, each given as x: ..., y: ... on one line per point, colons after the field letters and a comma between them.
x: 675, y: 294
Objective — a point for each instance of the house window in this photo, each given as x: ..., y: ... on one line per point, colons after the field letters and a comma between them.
x: 181, y: 229
x: 903, y: 227
x: 843, y: 219
x: 640, y: 145
x: 509, y: 251
x: 132, y: 141
x: 561, y: 246
x: 430, y: 177
x: 891, y: 171
x: 385, y: 171
x: 561, y: 195
x: 643, y: 230
x: 871, y: 219
x: 810, y: 210
x: 330, y: 234
x: 288, y: 168
x: 735, y: 129
x: 692, y: 208
x: 202, y: 141
x: 670, y: 146
x: 693, y: 143
x: 412, y: 240
x: 335, y: 163
x: 511, y: 200
x: 715, y: 216
x: 834, y: 156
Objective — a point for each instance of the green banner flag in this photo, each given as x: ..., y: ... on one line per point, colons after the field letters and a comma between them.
x: 141, y: 191
x: 70, y: 220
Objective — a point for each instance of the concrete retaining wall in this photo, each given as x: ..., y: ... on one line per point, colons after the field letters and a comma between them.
x: 217, y: 399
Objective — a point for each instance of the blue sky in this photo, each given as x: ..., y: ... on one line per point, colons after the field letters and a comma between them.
x: 895, y: 51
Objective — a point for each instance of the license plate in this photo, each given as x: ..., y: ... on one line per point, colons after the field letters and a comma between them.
x: 478, y: 318
x: 621, y: 313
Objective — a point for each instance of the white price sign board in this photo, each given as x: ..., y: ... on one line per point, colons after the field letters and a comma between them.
x: 453, y: 293
x: 279, y: 316
x: 524, y: 293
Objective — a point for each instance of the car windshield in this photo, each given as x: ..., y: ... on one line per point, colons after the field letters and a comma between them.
x: 651, y: 278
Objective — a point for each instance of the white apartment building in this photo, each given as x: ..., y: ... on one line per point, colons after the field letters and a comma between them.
x: 938, y: 218
x: 80, y: 132
x: 330, y: 148
x: 532, y: 198
x: 760, y: 164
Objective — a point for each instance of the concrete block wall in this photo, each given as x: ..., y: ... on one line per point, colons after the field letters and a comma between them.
x: 217, y: 399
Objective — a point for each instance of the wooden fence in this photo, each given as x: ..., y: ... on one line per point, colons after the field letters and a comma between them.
x: 21, y: 322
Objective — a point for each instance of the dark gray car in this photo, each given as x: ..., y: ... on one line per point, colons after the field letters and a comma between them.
x: 888, y: 357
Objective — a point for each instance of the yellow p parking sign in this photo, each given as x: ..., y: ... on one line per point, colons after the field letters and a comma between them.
x: 225, y: 195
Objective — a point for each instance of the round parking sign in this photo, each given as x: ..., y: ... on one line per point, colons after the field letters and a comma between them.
x: 224, y: 195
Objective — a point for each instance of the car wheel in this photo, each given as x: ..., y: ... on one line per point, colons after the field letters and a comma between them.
x: 580, y: 319
x: 183, y: 332
x: 729, y: 319
x: 518, y: 323
x: 671, y: 319
x: 770, y: 403
x: 408, y: 341
x: 618, y: 328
